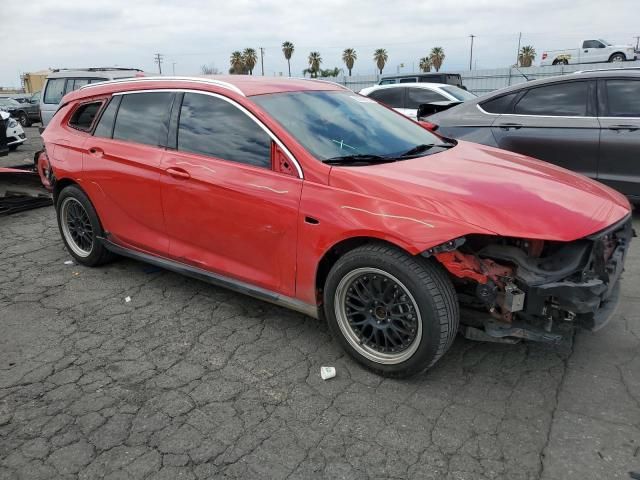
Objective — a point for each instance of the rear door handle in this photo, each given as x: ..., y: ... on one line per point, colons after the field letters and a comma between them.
x: 96, y: 152
x: 180, y: 173
x: 631, y: 128
x: 509, y: 126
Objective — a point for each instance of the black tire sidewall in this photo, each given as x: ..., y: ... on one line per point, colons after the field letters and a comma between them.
x: 97, y: 253
x: 431, y: 334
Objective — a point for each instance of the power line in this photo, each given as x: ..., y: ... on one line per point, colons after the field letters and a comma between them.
x: 158, y: 59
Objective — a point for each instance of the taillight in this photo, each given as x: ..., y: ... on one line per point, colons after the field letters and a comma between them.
x: 544, y: 55
x: 428, y: 125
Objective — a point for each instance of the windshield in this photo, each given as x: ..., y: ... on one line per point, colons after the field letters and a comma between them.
x: 458, y: 93
x: 605, y: 42
x: 338, y: 124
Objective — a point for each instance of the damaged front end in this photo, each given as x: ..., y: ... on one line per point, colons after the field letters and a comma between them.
x: 511, y: 289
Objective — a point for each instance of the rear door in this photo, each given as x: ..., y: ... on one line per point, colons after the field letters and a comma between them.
x: 122, y: 162
x: 226, y: 209
x: 51, y: 96
x: 556, y: 123
x: 391, y: 97
x: 416, y: 96
x: 619, y: 161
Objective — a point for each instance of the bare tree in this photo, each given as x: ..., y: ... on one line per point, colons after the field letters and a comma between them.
x: 209, y: 69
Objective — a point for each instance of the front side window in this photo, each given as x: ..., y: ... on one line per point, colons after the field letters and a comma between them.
x: 391, y: 97
x: 418, y: 96
x: 561, y: 99
x: 337, y: 123
x: 623, y: 98
x: 54, y: 91
x: 83, y: 117
x: 212, y: 126
x: 143, y: 118
x: 500, y: 104
x: 592, y: 44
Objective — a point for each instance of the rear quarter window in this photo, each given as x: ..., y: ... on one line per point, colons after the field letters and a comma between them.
x: 500, y: 104
x: 84, y: 116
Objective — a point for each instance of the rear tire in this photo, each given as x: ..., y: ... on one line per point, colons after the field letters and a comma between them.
x: 394, y: 313
x: 617, y: 57
x: 80, y: 228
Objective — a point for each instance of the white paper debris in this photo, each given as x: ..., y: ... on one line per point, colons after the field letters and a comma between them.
x: 69, y: 262
x: 327, y: 372
x: 127, y: 299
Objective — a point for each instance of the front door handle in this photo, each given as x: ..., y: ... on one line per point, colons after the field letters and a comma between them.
x: 96, y: 152
x: 180, y: 173
x: 509, y: 126
x: 631, y: 128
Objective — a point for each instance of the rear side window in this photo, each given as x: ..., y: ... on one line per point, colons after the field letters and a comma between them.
x: 391, y: 97
x: 500, y: 104
x: 143, y: 118
x: 387, y: 81
x: 214, y: 127
x: 418, y: 96
x: 54, y: 90
x: 83, y: 117
x: 623, y: 98
x: 105, y: 124
x: 408, y: 80
x: 561, y: 99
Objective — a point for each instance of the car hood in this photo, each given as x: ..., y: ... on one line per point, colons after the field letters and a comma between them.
x: 493, y: 190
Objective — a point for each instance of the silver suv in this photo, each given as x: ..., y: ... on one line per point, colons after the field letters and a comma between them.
x: 62, y: 81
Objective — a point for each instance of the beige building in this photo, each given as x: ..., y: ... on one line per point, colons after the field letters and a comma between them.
x: 34, y: 81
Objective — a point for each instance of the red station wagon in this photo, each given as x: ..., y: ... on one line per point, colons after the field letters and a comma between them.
x: 305, y: 194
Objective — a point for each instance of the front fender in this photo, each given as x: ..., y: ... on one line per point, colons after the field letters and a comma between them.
x: 328, y: 216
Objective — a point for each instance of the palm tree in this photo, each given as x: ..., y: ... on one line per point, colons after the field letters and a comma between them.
x: 287, y: 49
x: 237, y: 62
x: 380, y: 56
x: 527, y: 56
x: 250, y: 58
x: 314, y: 63
x: 349, y: 57
x: 437, y: 57
x: 425, y: 64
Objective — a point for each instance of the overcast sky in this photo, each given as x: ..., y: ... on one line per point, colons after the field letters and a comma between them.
x: 76, y: 33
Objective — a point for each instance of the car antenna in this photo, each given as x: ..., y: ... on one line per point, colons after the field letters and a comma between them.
x: 525, y: 77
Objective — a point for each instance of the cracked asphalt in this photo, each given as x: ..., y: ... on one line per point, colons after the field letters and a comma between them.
x: 192, y: 381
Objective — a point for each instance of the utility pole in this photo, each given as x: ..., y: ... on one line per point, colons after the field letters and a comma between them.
x: 173, y: 65
x: 158, y: 60
x: 471, y: 56
x: 637, y: 43
x: 518, y: 52
x: 262, y: 60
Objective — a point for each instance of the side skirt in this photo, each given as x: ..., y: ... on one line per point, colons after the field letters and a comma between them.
x: 215, y: 279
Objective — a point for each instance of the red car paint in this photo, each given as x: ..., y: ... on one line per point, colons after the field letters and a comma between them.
x: 271, y: 228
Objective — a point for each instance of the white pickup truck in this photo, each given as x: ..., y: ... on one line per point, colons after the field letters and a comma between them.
x: 592, y: 51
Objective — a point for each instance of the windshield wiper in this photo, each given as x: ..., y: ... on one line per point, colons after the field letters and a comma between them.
x: 418, y: 149
x: 363, y: 158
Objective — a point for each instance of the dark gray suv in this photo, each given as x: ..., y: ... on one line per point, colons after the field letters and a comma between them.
x: 587, y: 122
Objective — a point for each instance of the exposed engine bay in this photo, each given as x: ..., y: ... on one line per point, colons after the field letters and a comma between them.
x: 511, y: 289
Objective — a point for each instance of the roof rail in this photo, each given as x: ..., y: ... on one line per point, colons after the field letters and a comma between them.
x: 96, y: 69
x: 209, y: 81
x: 610, y: 69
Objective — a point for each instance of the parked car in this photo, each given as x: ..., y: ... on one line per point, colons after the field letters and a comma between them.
x: 62, y: 81
x: 25, y: 113
x: 14, y: 133
x: 447, y: 78
x: 592, y: 51
x: 587, y: 122
x: 407, y: 98
x: 4, y: 118
x: 304, y: 194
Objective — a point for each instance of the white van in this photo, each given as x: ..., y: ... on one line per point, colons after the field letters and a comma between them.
x: 62, y: 81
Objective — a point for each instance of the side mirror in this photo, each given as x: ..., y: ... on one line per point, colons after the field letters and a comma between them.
x: 427, y: 109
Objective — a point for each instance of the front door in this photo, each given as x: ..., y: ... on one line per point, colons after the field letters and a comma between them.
x: 556, y: 123
x: 619, y: 163
x: 226, y: 209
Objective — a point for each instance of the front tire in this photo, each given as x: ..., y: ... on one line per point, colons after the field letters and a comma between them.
x: 80, y: 228
x: 617, y: 57
x: 394, y: 313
